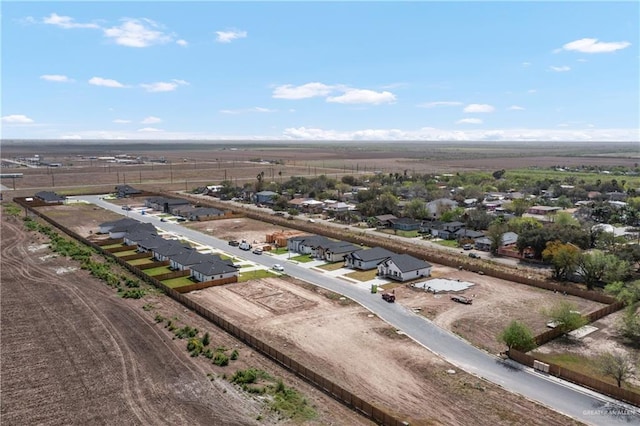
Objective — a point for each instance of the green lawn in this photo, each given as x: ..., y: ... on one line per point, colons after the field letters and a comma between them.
x: 112, y: 246
x: 178, y: 282
x: 332, y: 266
x: 138, y: 262
x: 125, y: 253
x: 447, y: 243
x: 303, y: 258
x: 255, y: 274
x: 280, y: 250
x: 157, y: 270
x: 362, y: 275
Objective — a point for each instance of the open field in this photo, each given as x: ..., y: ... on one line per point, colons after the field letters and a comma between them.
x: 196, y: 164
x: 239, y: 228
x: 363, y: 354
x: 73, y: 352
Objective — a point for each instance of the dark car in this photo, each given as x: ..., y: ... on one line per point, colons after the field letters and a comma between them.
x: 234, y: 243
x: 475, y: 256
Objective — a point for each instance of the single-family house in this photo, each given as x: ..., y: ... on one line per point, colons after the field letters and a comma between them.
x: 448, y: 230
x: 333, y: 251
x: 138, y: 234
x: 404, y: 267
x: 105, y: 227
x: 366, y: 259
x: 50, y: 197
x: 169, y: 248
x: 467, y: 234
x: 123, y: 230
x: 384, y: 220
x: 147, y: 245
x: 542, y: 210
x: 265, y: 197
x: 124, y: 191
x: 508, y: 239
x: 166, y: 205
x: 339, y: 207
x: 405, y: 224
x: 187, y: 258
x: 213, y: 269
x: 202, y: 213
x: 304, y: 244
x: 430, y: 227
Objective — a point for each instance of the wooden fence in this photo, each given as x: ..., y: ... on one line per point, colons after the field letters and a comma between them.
x: 581, y: 379
x: 109, y: 241
x: 171, y: 275
x: 340, y: 394
x: 135, y: 256
x: 205, y: 284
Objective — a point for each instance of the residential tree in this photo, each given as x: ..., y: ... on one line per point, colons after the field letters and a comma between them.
x: 596, y: 266
x: 563, y: 257
x: 416, y: 209
x: 627, y: 292
x: 618, y: 365
x: 521, y: 224
x: 566, y: 316
x: 517, y: 336
x: 494, y: 233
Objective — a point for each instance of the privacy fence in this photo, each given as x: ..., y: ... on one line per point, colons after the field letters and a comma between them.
x: 332, y: 389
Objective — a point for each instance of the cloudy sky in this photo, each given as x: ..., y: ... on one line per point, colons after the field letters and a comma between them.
x: 517, y: 71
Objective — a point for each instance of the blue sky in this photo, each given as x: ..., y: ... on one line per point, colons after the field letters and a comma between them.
x: 517, y: 71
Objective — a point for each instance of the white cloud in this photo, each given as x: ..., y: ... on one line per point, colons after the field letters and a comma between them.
x: 149, y: 129
x: 105, y: 82
x: 432, y: 134
x: 56, y: 78
x: 309, y: 90
x: 182, y: 43
x: 526, y: 64
x: 581, y: 60
x: 516, y: 108
x: 17, y: 119
x: 163, y: 86
x: 563, y: 68
x: 532, y: 91
x: 438, y: 104
x: 478, y: 108
x: 247, y: 110
x: 121, y: 121
x: 592, y: 45
x: 363, y: 96
x: 229, y: 36
x: 151, y: 120
x: 137, y: 33
x: 66, y: 22
x: 73, y: 137
x: 469, y: 121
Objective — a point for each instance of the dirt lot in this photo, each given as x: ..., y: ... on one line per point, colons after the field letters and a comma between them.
x: 73, y: 352
x: 347, y: 344
x: 91, y: 215
x: 496, y: 303
x: 241, y: 228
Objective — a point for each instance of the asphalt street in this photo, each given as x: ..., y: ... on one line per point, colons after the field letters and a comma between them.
x: 577, y: 402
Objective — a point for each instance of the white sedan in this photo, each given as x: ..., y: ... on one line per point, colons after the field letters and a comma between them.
x: 277, y: 267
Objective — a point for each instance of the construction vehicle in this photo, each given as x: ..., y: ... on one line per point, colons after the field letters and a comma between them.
x: 389, y: 297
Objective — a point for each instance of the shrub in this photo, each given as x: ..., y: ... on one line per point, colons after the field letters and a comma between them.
x: 235, y: 354
x: 221, y: 359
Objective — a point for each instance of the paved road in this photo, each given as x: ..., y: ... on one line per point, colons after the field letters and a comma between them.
x: 579, y: 403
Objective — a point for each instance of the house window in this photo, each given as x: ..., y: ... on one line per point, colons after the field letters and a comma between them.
x: 417, y: 273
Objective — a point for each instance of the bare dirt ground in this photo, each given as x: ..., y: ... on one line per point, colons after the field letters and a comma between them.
x: 348, y: 345
x: 73, y: 352
x: 240, y: 228
x: 91, y: 215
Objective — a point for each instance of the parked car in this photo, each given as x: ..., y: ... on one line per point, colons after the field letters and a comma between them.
x: 244, y: 246
x: 467, y: 247
x: 257, y: 250
x: 277, y: 267
x: 234, y: 243
x: 462, y: 299
x: 475, y: 256
x: 163, y: 220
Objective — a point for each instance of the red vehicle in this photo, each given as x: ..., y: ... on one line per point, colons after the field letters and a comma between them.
x: 389, y: 297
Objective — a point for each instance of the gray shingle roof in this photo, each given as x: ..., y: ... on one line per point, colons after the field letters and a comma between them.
x: 375, y: 253
x: 407, y: 263
x: 214, y: 267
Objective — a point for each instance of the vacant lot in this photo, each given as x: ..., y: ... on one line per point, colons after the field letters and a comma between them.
x: 240, y: 228
x: 495, y: 303
x: 350, y: 346
x: 73, y: 352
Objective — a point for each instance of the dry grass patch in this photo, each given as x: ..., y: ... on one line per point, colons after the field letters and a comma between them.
x: 363, y: 275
